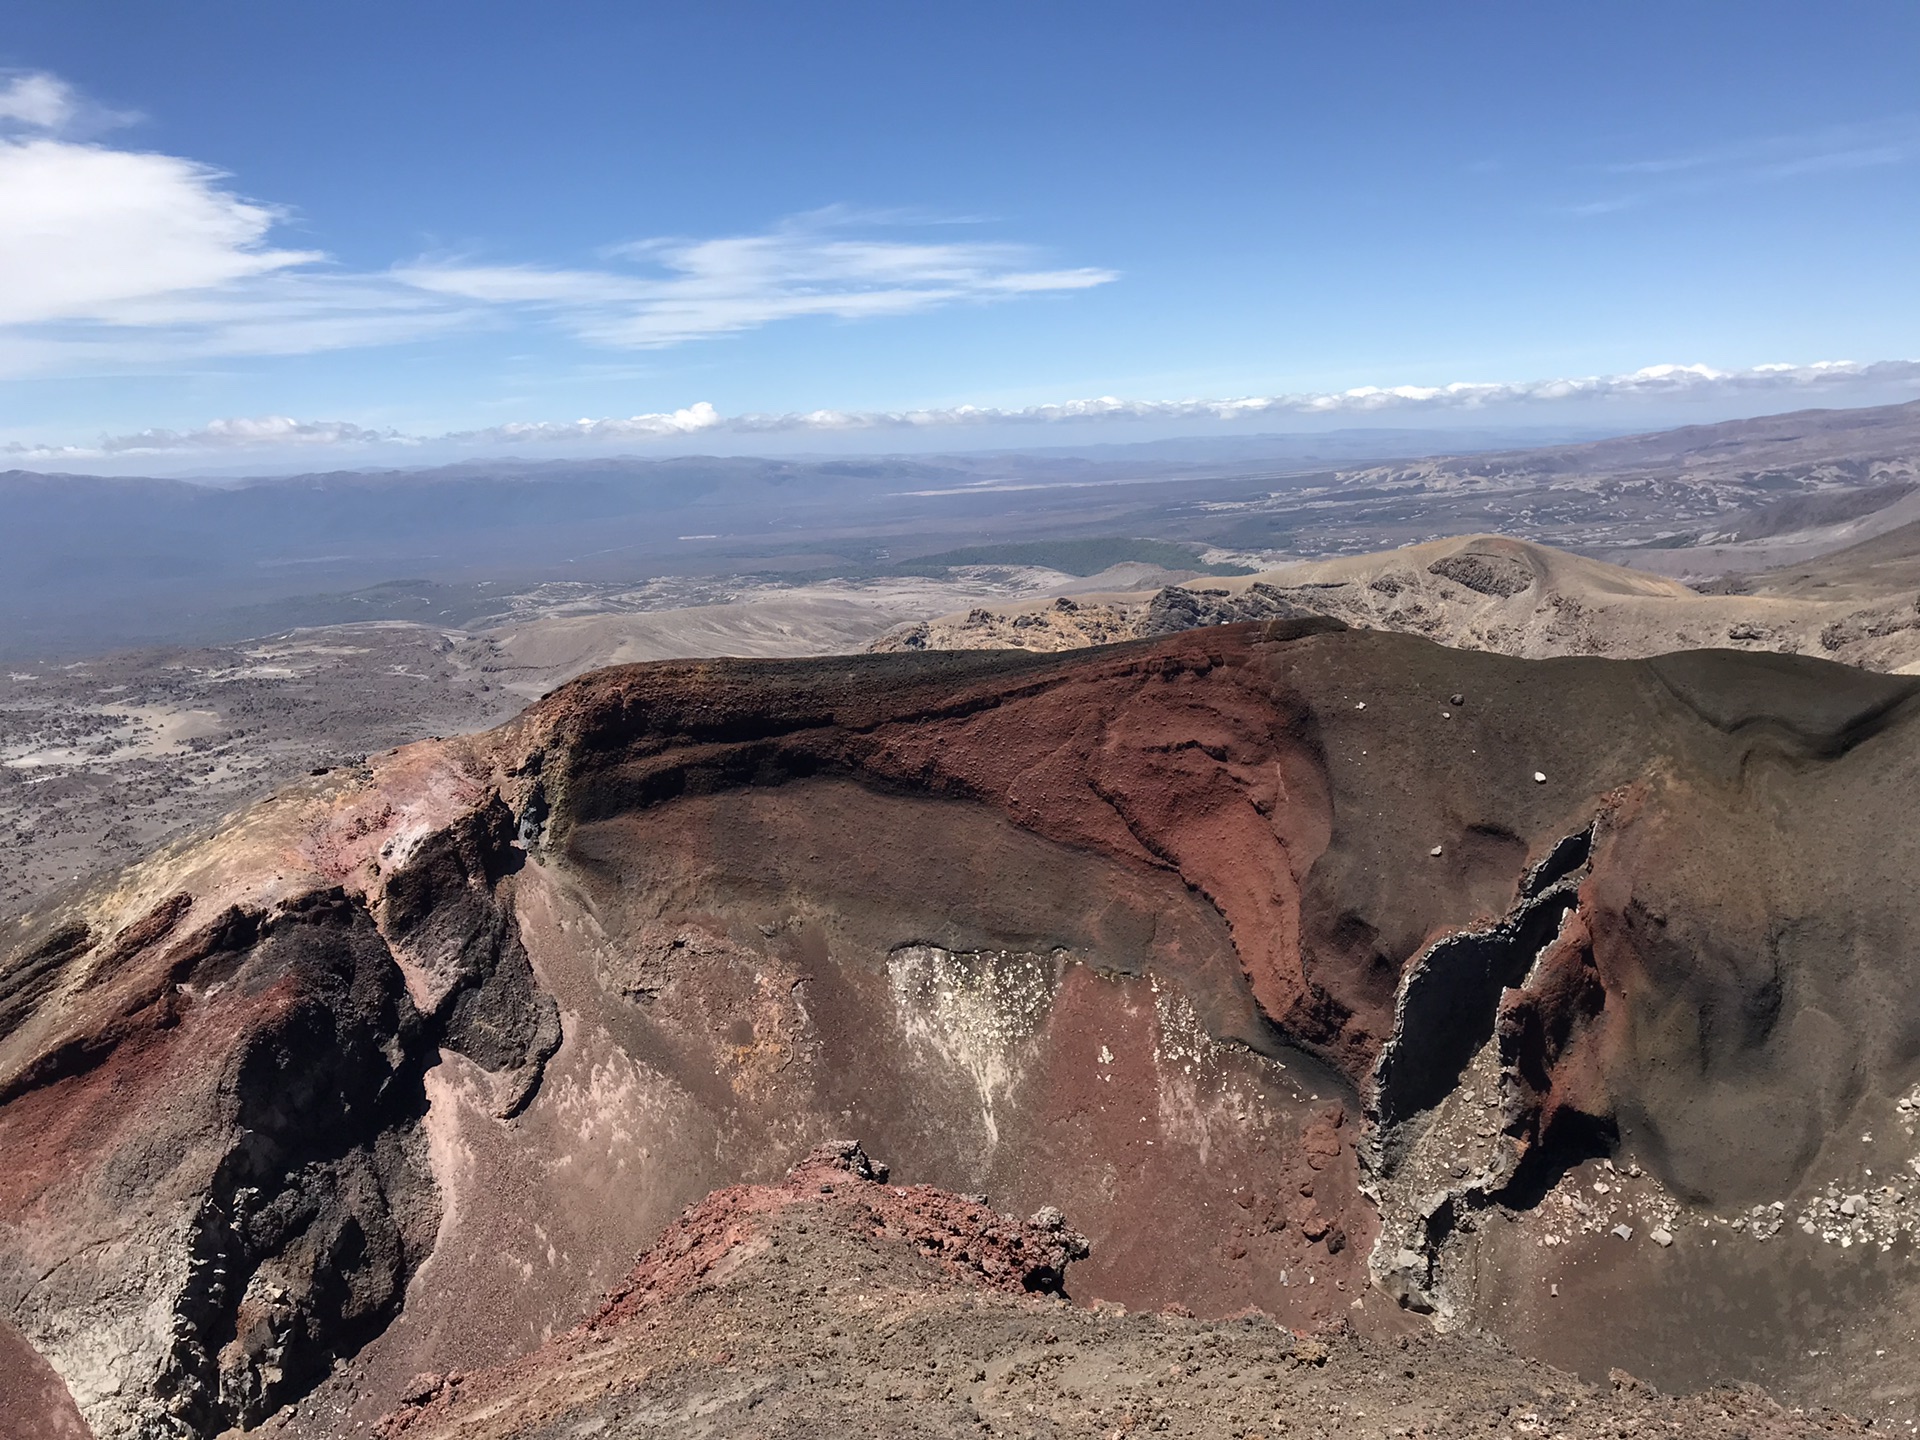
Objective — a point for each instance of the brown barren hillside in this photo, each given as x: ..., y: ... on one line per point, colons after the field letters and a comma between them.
x: 1882, y: 566
x: 1371, y: 985
x: 1490, y: 592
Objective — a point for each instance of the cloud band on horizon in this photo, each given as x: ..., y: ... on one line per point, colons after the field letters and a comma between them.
x: 1653, y: 382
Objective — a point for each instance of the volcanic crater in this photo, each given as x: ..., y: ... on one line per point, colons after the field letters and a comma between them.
x: 1396, y: 1000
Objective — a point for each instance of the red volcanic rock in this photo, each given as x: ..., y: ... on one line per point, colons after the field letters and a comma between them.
x: 961, y: 1241
x: 1185, y: 756
x: 34, y: 1403
x: 966, y: 1238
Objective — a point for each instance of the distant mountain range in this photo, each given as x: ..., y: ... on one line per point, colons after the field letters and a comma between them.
x: 90, y: 562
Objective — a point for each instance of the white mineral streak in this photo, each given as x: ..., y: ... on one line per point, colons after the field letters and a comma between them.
x: 978, y: 1010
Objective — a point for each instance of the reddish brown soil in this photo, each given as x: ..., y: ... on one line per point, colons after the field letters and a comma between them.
x: 967, y: 1242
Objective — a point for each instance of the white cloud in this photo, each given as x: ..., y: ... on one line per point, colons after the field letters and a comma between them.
x: 34, y: 101
x: 88, y: 232
x: 1788, y: 383
x: 247, y: 434
x: 124, y: 260
x: 267, y: 432
x: 693, y: 289
x: 690, y: 421
x: 38, y: 101
x: 117, y: 258
x: 1652, y: 382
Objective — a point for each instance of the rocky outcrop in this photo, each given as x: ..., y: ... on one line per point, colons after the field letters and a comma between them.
x: 217, y: 1129
x: 1174, y: 608
x: 448, y: 912
x: 321, y: 1207
x: 219, y: 1149
x: 957, y: 1243
x: 1484, y: 573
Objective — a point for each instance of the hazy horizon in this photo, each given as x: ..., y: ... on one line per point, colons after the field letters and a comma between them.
x: 1459, y: 433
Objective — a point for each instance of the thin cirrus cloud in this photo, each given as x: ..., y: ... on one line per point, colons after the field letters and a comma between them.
x: 680, y: 290
x: 1888, y: 141
x: 1654, y: 382
x: 118, y: 258
x: 1893, y: 140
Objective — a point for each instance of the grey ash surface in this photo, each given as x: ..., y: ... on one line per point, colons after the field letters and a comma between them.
x: 103, y: 761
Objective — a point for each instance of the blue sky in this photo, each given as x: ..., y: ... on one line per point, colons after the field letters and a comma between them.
x: 348, y: 227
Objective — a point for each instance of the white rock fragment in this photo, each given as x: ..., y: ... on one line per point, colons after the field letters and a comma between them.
x: 1361, y: 706
x: 1662, y: 1238
x: 1625, y: 1232
x: 1539, y: 777
x: 1436, y: 850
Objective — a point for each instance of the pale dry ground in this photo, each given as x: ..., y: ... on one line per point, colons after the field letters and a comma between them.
x: 1745, y: 557
x: 1480, y: 592
x: 835, y: 617
x: 1696, y: 502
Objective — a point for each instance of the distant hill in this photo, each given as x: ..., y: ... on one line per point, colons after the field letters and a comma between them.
x: 89, y: 563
